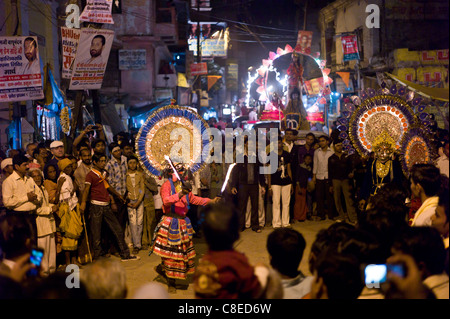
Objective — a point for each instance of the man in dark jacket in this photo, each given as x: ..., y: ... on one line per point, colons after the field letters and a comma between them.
x: 246, y: 179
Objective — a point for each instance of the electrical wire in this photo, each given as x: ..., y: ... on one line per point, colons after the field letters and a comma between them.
x: 263, y: 41
x: 44, y: 14
x: 233, y: 4
x: 248, y: 24
x: 1, y: 28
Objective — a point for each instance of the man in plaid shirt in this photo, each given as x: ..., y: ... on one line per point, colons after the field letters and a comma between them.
x: 117, y: 174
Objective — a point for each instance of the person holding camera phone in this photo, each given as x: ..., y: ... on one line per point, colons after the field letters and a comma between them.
x: 16, y: 243
x: 96, y: 130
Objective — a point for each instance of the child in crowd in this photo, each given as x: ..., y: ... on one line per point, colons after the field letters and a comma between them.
x: 136, y: 190
x: 286, y: 247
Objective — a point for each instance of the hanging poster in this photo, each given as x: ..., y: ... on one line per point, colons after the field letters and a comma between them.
x: 70, y: 38
x: 304, y: 39
x: 20, y: 69
x: 350, y: 47
x: 199, y: 68
x: 97, y: 11
x: 91, y: 59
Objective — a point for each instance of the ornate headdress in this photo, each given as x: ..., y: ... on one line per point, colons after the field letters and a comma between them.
x: 155, y: 139
x: 384, y: 139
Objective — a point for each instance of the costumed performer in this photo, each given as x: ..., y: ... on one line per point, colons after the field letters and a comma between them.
x: 173, y: 234
x: 384, y: 169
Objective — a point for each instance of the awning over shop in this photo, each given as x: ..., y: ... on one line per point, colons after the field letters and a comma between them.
x: 135, y: 111
x: 440, y: 94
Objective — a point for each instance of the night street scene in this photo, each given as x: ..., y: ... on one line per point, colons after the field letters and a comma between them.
x: 222, y: 156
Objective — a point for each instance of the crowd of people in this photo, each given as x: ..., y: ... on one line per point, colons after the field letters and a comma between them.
x: 98, y: 202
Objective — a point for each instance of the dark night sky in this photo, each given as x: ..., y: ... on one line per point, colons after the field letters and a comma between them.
x: 278, y: 14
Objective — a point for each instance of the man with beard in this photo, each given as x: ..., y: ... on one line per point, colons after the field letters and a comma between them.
x: 30, y: 51
x: 97, y: 44
x: 83, y: 169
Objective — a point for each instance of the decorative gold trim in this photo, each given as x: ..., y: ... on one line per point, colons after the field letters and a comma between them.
x: 153, y: 115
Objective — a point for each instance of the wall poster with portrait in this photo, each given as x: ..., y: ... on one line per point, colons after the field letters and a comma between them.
x: 20, y: 69
x: 91, y: 59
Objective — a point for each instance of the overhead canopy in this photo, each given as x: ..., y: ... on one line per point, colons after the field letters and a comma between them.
x: 440, y: 94
x: 135, y: 111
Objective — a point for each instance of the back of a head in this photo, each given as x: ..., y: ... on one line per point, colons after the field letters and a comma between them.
x: 286, y: 247
x: 152, y: 290
x: 425, y: 245
x: 384, y: 226
x: 105, y: 279
x: 15, y: 235
x: 221, y: 227
x: 328, y: 238
x: 428, y: 176
x: 55, y: 287
x: 391, y: 198
x: 340, y: 273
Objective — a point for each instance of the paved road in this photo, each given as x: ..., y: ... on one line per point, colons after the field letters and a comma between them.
x: 252, y: 244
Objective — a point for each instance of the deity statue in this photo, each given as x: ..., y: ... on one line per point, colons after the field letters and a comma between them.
x: 295, y: 73
x: 295, y: 113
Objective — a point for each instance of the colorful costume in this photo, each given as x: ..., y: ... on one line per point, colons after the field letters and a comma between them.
x: 173, y: 235
x: 383, y: 169
x: 172, y: 240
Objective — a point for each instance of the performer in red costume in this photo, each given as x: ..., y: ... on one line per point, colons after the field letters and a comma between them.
x: 173, y: 235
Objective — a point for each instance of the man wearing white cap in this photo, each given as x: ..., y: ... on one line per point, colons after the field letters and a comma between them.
x: 57, y: 150
x: 7, y: 167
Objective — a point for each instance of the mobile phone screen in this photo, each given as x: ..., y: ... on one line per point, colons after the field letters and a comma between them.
x: 375, y: 274
x: 36, y: 259
x: 396, y: 269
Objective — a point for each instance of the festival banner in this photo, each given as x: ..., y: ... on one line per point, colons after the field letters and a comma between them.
x: 70, y: 38
x: 97, y: 11
x: 304, y: 40
x: 91, y: 59
x: 132, y: 59
x: 315, y: 117
x: 350, y: 47
x: 20, y: 69
x: 199, y: 68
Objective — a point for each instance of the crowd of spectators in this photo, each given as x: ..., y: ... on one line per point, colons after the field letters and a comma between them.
x: 80, y: 208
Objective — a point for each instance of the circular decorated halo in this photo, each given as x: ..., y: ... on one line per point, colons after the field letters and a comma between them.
x: 171, y: 130
x: 378, y: 114
x: 415, y: 149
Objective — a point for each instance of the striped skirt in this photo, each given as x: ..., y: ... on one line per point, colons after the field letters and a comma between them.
x: 173, y: 243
